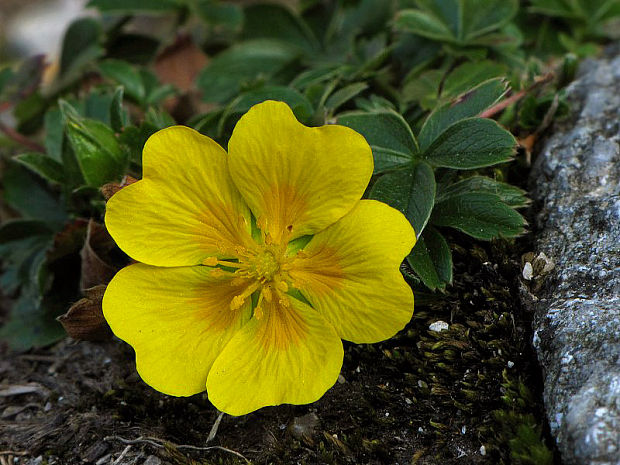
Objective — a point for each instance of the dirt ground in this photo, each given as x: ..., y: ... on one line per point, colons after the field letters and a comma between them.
x: 468, y: 395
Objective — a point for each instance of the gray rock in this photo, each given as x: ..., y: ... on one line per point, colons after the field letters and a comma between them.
x: 576, y: 180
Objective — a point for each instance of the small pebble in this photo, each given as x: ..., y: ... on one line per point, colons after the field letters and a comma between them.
x: 510, y: 364
x: 483, y: 450
x: 341, y: 379
x: 438, y: 326
x: 408, y: 401
x: 528, y: 271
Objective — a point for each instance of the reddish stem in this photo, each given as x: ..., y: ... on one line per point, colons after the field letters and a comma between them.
x: 20, y: 138
x: 516, y: 97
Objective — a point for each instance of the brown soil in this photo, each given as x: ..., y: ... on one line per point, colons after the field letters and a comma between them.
x: 422, y: 397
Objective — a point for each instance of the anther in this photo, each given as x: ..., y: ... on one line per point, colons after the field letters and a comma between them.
x: 266, y: 293
x: 210, y: 261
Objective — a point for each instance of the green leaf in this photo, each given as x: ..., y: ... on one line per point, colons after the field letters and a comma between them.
x: 483, y: 16
x: 135, y: 6
x: 431, y: 259
x: 134, y: 138
x: 471, y: 143
x: 158, y: 118
x: 319, y: 75
x: 412, y: 192
x: 510, y: 195
x: 423, y: 24
x: 81, y: 45
x: 219, y: 14
x: 243, y: 64
x: 18, y: 229
x: 481, y: 215
x: 456, y: 21
x: 126, y: 75
x: 557, y: 8
x: 117, y: 115
x: 30, y: 196
x: 43, y: 165
x: 31, y: 324
x: 467, y: 105
x: 388, y: 134
x: 54, y: 132
x: 98, y: 153
x: 272, y: 21
x: 423, y: 88
x: 470, y: 74
x: 153, y: 90
x: 342, y: 96
x: 299, y: 104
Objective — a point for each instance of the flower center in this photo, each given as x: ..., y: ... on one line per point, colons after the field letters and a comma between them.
x: 262, y: 268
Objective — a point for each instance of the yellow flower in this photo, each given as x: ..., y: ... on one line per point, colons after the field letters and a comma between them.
x: 231, y: 294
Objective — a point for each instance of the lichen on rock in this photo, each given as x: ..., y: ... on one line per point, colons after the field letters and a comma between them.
x: 576, y: 178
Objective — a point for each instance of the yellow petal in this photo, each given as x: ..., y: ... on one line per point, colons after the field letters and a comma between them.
x: 294, y: 177
x: 350, y: 273
x: 177, y: 320
x: 185, y: 208
x: 290, y: 355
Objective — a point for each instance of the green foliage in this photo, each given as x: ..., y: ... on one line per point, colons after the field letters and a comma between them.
x: 415, y: 77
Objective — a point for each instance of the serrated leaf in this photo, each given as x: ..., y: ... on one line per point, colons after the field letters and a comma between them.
x: 510, y: 195
x: 471, y: 143
x: 273, y: 21
x: 481, y: 215
x: 126, y: 75
x: 241, y: 64
x: 135, y: 6
x: 411, y: 191
x: 467, y: 105
x: 431, y: 259
x: 43, y: 165
x: 388, y: 134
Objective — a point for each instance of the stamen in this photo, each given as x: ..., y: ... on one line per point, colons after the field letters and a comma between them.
x: 238, y: 300
x: 267, y: 294
x: 258, y: 312
x: 282, y: 286
x: 231, y: 264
